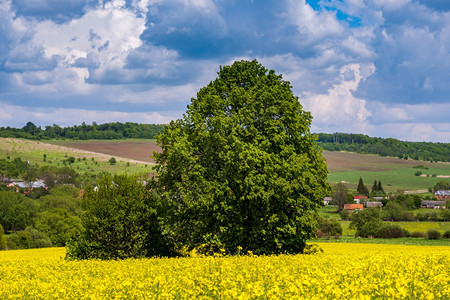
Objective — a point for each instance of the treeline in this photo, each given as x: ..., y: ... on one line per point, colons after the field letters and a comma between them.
x: 360, y: 143
x: 107, y: 131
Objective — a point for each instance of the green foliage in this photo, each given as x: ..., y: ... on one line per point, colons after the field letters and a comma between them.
x: 112, y: 161
x: 2, y: 238
x: 38, y: 239
x: 433, y: 234
x: 27, y: 239
x: 420, y: 167
x: 12, y: 169
x: 119, y: 221
x: 340, y: 193
x: 16, y: 211
x: 242, y: 167
x: 389, y: 231
x: 329, y: 227
x: 441, y: 185
x: 344, y: 214
x: 107, y: 131
x: 366, y: 221
x: 377, y: 189
x: 59, y: 225
x: 393, y: 211
x: 362, y: 189
x: 19, y: 240
x: 446, y: 234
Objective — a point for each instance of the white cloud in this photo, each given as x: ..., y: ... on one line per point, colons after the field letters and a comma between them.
x: 390, y: 4
x: 415, y: 132
x: 69, y: 117
x: 311, y: 24
x: 339, y: 108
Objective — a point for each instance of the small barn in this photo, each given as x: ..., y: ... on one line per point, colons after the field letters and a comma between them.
x: 374, y: 204
x: 433, y: 204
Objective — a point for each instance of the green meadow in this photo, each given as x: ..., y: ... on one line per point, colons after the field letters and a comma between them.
x: 395, y: 174
x: 54, y: 155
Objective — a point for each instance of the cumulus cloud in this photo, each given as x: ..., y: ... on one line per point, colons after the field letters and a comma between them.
x: 359, y: 66
x: 69, y: 117
x: 339, y: 108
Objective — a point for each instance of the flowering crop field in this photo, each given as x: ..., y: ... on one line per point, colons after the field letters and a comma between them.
x: 342, y: 271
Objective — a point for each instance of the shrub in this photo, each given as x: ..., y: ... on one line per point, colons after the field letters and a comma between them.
x: 418, y: 234
x: 344, y: 214
x: 369, y: 229
x: 19, y: 240
x: 433, y: 234
x: 446, y: 234
x: 120, y: 221
x: 38, y: 239
x: 329, y: 227
x: 389, y: 231
x: 2, y: 238
x: 408, y: 216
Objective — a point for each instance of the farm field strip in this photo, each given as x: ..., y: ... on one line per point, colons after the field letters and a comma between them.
x: 56, y: 155
x: 395, y: 174
x: 343, y: 271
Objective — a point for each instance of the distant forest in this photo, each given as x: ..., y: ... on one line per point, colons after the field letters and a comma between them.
x: 107, y: 131
x: 360, y: 143
x: 331, y: 142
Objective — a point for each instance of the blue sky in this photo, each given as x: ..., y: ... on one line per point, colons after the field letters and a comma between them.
x: 377, y: 67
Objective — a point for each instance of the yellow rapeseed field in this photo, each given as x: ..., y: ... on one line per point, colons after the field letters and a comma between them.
x: 343, y: 271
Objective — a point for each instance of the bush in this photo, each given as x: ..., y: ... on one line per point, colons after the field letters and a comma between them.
x: 38, y: 239
x: 344, y: 214
x: 19, y: 240
x: 433, y: 234
x: 446, y: 234
x: 418, y: 234
x: 408, y: 216
x: 329, y: 227
x: 120, y: 221
x: 389, y: 231
x: 2, y: 238
x: 369, y: 229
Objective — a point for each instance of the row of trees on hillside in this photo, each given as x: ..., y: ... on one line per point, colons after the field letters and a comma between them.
x: 360, y: 143
x: 107, y: 131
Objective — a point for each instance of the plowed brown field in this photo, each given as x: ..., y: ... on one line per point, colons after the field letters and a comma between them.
x: 142, y: 150
x: 134, y: 149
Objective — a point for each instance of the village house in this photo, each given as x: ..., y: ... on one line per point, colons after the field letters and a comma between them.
x: 433, y: 204
x: 27, y: 185
x: 442, y: 195
x: 374, y: 204
x: 327, y: 200
x: 353, y: 207
x: 359, y: 199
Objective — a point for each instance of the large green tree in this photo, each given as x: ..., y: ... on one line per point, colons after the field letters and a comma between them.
x: 241, y: 167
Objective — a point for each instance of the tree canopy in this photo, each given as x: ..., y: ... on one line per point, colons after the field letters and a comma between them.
x: 241, y: 168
